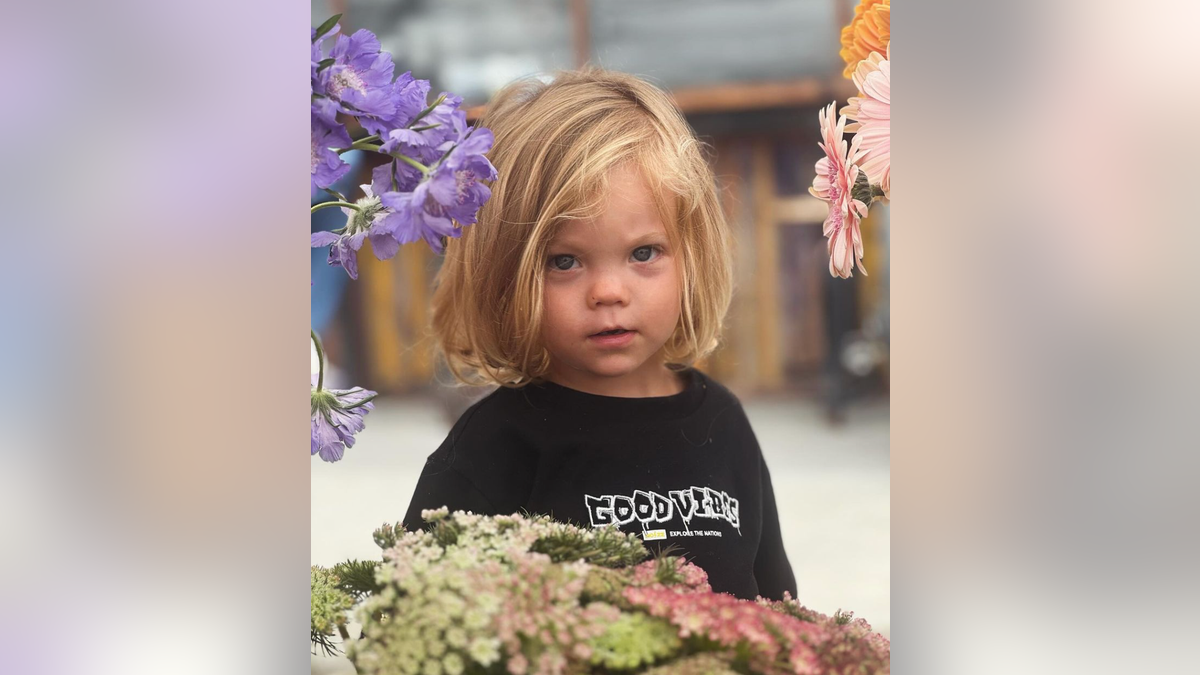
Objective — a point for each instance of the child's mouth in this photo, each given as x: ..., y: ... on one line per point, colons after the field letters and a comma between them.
x: 615, y: 338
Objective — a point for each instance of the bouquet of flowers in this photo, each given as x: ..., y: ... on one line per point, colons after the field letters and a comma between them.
x: 532, y: 596
x: 430, y: 187
x: 850, y: 178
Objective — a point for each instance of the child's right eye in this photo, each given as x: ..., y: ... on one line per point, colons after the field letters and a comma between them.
x: 562, y: 262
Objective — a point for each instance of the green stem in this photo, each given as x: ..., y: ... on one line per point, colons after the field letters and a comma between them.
x: 320, y: 359
x: 325, y: 205
x: 364, y: 143
x: 441, y: 99
x: 412, y: 162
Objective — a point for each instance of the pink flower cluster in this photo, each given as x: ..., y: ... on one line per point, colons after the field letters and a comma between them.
x: 775, y: 639
x: 540, y: 623
x: 692, y: 577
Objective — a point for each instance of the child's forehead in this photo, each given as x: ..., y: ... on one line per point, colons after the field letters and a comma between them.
x: 595, y: 231
x: 627, y: 206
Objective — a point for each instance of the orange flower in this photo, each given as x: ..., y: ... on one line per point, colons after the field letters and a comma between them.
x: 869, y: 31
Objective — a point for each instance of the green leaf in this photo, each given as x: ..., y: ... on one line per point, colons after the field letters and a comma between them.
x: 357, y: 577
x: 324, y: 643
x: 324, y: 28
x: 325, y: 63
x: 421, y: 115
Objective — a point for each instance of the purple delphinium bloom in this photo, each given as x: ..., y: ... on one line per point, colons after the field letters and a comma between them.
x: 451, y: 123
x: 415, y: 216
x: 395, y: 177
x: 343, y: 249
x: 456, y: 185
x: 408, y: 94
x: 320, y: 76
x: 337, y: 414
x: 451, y: 192
x: 361, y: 77
x: 430, y: 197
x: 327, y: 166
x: 322, y: 106
x: 366, y: 222
x: 423, y: 142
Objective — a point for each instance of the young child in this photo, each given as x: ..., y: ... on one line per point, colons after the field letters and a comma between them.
x: 597, y: 273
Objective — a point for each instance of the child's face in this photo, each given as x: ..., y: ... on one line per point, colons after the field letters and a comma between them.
x: 616, y: 270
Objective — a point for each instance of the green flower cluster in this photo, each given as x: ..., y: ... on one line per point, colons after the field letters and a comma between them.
x: 329, y: 606
x: 474, y: 590
x: 704, y: 663
x: 635, y: 640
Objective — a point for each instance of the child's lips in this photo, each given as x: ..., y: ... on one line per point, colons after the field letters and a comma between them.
x: 613, y: 340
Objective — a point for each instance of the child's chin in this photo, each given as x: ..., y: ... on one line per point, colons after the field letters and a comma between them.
x: 614, y: 367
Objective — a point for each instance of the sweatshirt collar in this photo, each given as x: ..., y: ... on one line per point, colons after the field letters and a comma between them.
x: 548, y: 395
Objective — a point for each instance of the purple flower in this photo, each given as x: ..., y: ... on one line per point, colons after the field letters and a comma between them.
x: 367, y: 221
x: 450, y: 119
x: 446, y: 123
x: 360, y: 79
x: 416, y: 216
x: 327, y: 166
x: 395, y: 177
x: 451, y: 192
x: 409, y: 96
x: 337, y: 414
x: 456, y: 185
x: 430, y: 197
x: 321, y: 78
x: 343, y: 249
x: 322, y: 106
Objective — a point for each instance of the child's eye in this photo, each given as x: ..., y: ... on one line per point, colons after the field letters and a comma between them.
x: 562, y: 263
x: 645, y: 253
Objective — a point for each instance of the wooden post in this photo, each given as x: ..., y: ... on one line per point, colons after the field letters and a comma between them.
x: 384, y: 340
x: 420, y: 348
x: 766, y: 279
x: 581, y: 32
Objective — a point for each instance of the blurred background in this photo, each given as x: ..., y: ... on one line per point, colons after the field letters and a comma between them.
x: 806, y: 353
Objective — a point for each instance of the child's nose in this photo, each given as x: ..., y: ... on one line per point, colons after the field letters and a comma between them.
x: 608, y: 289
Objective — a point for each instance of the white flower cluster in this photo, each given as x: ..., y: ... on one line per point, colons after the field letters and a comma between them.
x: 470, y: 591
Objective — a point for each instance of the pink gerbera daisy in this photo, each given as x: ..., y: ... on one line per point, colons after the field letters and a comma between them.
x: 836, y: 173
x: 872, y: 113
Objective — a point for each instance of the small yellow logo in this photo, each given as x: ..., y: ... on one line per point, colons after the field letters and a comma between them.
x: 654, y: 534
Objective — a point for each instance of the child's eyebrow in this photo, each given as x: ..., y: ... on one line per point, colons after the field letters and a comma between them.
x: 576, y: 242
x: 649, y: 238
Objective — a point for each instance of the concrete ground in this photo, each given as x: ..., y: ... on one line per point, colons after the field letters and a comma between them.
x: 831, y: 487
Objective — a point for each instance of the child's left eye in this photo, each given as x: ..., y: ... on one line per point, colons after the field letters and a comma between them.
x: 645, y: 253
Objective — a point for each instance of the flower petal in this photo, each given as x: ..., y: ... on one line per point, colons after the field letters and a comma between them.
x: 323, y: 238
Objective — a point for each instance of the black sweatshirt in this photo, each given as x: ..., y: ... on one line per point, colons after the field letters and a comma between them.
x: 683, y: 470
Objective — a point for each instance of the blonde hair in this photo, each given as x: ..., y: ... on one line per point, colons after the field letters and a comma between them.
x: 555, y: 146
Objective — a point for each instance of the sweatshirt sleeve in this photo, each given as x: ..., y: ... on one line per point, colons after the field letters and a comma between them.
x: 772, y: 570
x: 442, y: 485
